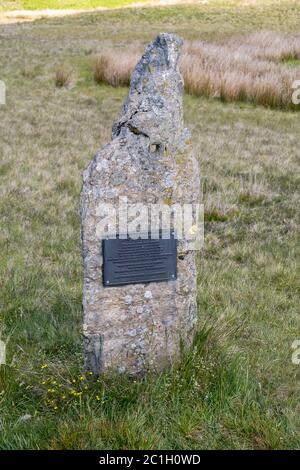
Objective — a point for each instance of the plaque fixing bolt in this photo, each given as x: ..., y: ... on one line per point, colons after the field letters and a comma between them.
x: 107, y: 282
x: 173, y: 275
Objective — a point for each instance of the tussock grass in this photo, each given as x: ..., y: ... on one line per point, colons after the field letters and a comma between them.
x: 115, y: 71
x: 63, y: 4
x: 243, y: 68
x: 246, y: 68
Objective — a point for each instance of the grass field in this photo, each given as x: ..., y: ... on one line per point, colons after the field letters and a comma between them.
x: 238, y: 387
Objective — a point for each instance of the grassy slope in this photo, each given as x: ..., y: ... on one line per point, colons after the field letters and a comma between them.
x: 238, y: 387
x: 62, y: 4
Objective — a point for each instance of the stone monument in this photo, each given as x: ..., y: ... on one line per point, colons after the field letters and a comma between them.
x: 136, y: 326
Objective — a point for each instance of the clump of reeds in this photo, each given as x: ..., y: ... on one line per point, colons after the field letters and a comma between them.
x: 64, y: 77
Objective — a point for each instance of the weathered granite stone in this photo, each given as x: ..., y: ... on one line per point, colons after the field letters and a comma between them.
x: 149, y: 160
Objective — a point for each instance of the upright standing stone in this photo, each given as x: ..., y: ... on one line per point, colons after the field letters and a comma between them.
x: 137, y: 327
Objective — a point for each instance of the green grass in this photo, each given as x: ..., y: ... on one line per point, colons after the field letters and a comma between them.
x: 63, y: 4
x: 237, y: 387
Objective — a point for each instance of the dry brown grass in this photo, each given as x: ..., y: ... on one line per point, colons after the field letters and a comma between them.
x: 64, y: 77
x: 268, y: 45
x: 255, y: 68
x: 115, y: 69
